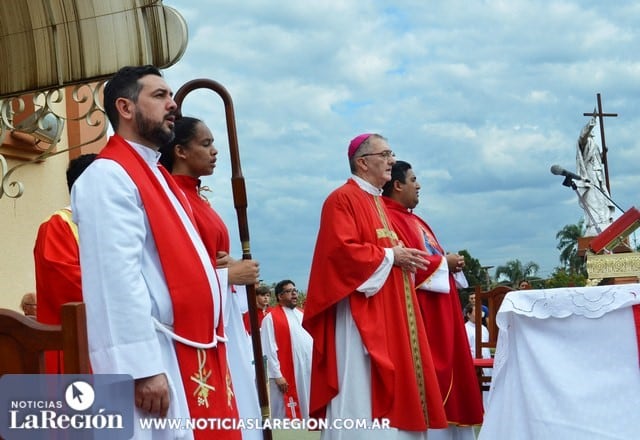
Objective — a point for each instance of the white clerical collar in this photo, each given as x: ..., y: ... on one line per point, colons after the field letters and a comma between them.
x: 148, y: 154
x: 366, y: 186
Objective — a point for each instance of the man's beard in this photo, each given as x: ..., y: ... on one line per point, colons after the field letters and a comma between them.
x: 154, y: 132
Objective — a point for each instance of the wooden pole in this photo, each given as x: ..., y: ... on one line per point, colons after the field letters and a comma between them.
x: 240, y: 203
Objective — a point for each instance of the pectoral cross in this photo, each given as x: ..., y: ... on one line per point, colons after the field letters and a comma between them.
x: 601, y: 117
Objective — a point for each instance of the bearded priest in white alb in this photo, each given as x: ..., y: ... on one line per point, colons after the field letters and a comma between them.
x: 152, y: 296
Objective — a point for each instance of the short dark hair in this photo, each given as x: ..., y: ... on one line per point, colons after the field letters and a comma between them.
x: 468, y: 309
x: 280, y: 286
x: 124, y: 84
x: 263, y: 290
x: 77, y: 166
x: 185, y: 130
x: 398, y: 173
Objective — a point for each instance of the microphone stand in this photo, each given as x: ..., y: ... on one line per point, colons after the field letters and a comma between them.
x: 568, y: 181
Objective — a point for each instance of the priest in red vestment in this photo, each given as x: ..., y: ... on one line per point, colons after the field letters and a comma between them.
x: 439, y: 305
x: 57, y: 263
x: 371, y: 356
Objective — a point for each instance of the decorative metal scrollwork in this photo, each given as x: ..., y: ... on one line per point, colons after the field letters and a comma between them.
x: 45, y: 123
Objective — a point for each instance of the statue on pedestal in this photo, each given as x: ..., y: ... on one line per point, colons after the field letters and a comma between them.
x: 599, y: 210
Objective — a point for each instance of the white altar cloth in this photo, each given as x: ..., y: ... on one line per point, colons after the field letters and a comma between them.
x: 566, y: 366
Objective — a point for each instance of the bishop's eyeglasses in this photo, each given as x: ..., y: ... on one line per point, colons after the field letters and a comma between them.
x: 386, y: 154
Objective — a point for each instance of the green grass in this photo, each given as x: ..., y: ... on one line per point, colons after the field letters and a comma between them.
x: 295, y: 434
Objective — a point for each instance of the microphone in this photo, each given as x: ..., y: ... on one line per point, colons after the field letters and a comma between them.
x: 559, y: 171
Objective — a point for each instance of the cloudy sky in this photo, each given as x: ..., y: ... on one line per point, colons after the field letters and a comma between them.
x: 481, y: 97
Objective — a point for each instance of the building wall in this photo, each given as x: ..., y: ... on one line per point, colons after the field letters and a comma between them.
x: 45, y: 191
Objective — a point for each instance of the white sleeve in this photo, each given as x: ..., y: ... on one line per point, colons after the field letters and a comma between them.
x: 439, y: 280
x: 113, y: 233
x: 379, y: 277
x: 225, y: 292
x: 486, y: 351
x: 471, y: 337
x: 269, y: 347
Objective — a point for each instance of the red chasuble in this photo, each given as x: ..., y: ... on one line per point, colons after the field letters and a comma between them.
x: 205, y: 375
x: 57, y: 269
x: 285, y: 357
x: 442, y: 314
x: 350, y: 247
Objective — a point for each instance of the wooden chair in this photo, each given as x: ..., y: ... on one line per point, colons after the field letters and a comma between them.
x: 23, y: 341
x: 492, y: 299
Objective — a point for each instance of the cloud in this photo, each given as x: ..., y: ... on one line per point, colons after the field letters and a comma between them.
x: 481, y: 97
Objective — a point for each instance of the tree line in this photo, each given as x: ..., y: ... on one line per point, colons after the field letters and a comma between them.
x: 572, y: 270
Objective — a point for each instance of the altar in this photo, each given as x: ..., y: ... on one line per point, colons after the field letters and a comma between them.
x: 567, y: 365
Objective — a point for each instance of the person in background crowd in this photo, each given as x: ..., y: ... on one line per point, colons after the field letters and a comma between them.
x: 287, y: 347
x: 470, y: 327
x: 57, y: 262
x: 485, y: 309
x: 524, y: 285
x: 28, y: 305
x: 263, y: 296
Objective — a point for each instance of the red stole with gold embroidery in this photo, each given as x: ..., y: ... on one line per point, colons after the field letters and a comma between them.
x: 285, y: 356
x: 187, y: 281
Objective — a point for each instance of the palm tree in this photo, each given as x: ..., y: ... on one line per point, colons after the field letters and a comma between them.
x: 514, y: 271
x: 473, y: 271
x: 568, y: 247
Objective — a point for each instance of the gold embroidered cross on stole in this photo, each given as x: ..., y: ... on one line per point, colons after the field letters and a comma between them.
x: 229, y: 390
x: 201, y: 377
